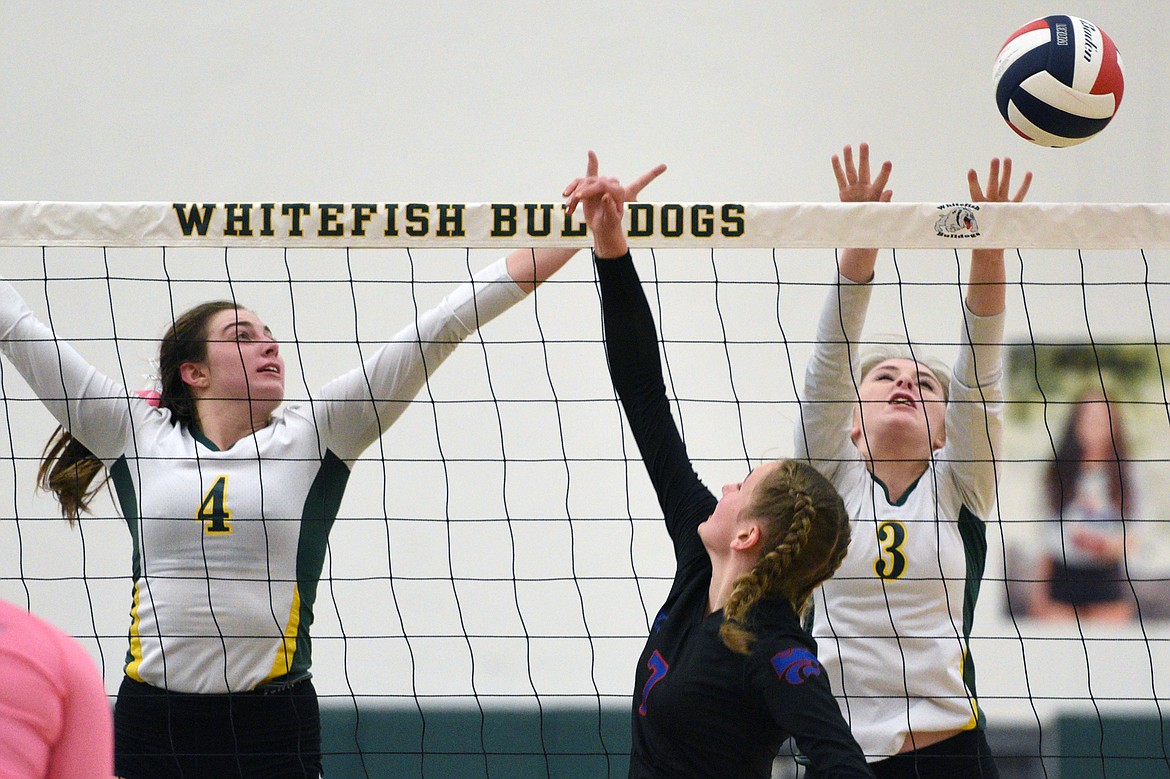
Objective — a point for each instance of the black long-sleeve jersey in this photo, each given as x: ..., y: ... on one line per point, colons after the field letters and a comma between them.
x: 699, y: 709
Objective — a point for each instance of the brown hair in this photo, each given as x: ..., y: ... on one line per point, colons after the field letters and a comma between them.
x: 805, y: 537
x: 68, y: 468
x: 1063, y: 475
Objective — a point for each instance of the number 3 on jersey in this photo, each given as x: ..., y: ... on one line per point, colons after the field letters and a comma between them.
x: 214, y: 511
x: 891, y: 561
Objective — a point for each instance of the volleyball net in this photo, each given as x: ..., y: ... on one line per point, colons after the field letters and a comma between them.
x: 500, y: 548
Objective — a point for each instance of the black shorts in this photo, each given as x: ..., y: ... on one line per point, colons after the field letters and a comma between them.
x: 1082, y: 585
x: 259, y: 735
x: 962, y: 756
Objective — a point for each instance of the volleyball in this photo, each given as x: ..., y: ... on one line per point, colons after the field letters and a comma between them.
x: 1058, y: 80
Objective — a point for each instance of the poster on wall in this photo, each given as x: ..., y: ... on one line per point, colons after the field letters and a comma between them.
x: 1087, y: 450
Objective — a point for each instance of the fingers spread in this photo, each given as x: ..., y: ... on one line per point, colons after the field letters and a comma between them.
x: 883, y: 177
x: 999, y: 183
x: 973, y: 185
x: 850, y: 168
x: 993, y: 181
x: 640, y: 183
x: 863, y: 162
x: 1023, y: 191
x: 839, y: 172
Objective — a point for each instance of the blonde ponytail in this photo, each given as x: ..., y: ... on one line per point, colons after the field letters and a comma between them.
x: 805, y: 538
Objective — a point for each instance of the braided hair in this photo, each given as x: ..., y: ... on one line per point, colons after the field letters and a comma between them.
x: 805, y: 537
x: 68, y: 468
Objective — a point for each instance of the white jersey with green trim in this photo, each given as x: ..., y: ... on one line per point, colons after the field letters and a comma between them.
x: 893, y: 624
x: 229, y: 545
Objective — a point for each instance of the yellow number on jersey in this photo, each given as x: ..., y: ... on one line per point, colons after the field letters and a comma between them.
x: 214, y: 511
x: 891, y: 562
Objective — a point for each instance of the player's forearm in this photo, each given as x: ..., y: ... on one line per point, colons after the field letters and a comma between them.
x: 857, y: 264
x: 986, y: 292
x: 631, y: 339
x: 529, y: 267
x: 829, y: 393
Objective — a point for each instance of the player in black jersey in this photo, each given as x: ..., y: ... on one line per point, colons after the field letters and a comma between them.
x: 727, y: 673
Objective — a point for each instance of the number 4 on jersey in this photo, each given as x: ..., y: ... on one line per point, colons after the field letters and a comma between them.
x: 213, y: 511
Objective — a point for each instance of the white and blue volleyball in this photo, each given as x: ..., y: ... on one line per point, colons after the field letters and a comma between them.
x: 1058, y: 80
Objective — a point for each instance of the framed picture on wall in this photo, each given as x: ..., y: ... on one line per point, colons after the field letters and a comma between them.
x: 1086, y: 448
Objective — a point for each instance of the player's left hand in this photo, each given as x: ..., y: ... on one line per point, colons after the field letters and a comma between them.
x: 854, y: 184
x: 603, y: 201
x: 999, y: 184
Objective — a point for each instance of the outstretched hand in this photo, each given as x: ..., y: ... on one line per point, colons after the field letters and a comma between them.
x: 999, y: 184
x: 603, y: 201
x: 853, y: 181
x: 854, y: 185
x: 986, y: 293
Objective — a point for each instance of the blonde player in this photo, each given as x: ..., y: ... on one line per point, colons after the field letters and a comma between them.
x: 727, y: 672
x: 911, y: 453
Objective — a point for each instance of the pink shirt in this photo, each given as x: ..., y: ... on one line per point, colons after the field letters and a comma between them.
x: 55, y: 718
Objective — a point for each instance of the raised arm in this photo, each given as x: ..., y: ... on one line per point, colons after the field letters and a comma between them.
x: 985, y: 288
x: 974, y: 422
x: 830, y: 389
x: 530, y: 267
x: 635, y: 364
x: 603, y: 199
x: 93, y: 407
x: 855, y: 186
x: 357, y: 407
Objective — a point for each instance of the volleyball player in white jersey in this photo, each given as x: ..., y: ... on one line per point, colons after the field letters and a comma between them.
x: 911, y: 453
x: 229, y: 500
